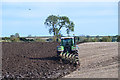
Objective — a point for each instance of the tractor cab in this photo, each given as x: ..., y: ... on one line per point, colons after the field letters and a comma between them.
x: 67, y: 41
x: 67, y: 44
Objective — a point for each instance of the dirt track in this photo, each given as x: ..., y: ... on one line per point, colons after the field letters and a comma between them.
x: 98, y: 60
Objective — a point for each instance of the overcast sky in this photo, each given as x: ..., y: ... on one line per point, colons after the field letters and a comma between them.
x: 90, y: 18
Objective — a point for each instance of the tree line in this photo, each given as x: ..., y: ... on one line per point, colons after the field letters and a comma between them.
x: 17, y: 38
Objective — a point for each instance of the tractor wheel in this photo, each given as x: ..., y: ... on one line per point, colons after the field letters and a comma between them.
x: 76, y: 61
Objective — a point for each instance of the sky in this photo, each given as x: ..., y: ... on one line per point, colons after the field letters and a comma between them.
x: 90, y: 18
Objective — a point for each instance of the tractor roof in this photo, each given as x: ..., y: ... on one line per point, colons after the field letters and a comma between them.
x: 67, y: 37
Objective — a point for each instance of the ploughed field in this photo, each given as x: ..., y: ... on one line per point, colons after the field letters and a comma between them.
x: 32, y: 60
x: 98, y: 60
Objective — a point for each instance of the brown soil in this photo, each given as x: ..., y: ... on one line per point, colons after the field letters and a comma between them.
x: 98, y: 60
x: 32, y: 60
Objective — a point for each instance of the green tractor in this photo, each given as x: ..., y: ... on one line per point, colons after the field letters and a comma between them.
x: 68, y: 50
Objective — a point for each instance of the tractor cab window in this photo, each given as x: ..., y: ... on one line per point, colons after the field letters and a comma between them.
x: 66, y: 42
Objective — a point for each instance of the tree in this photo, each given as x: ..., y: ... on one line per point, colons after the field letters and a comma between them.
x: 51, y: 22
x: 12, y: 36
x: 17, y: 35
x: 56, y: 23
x: 14, y: 39
x: 106, y: 39
x: 65, y: 22
x: 29, y: 35
x: 118, y: 38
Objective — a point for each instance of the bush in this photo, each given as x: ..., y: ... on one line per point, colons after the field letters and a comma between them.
x: 14, y: 39
x: 118, y: 39
x: 106, y: 39
x: 39, y: 40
